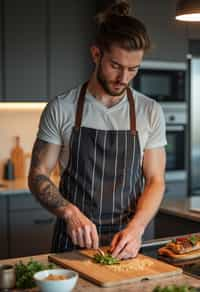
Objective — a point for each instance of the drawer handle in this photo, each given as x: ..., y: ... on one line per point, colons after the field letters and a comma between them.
x: 43, y: 221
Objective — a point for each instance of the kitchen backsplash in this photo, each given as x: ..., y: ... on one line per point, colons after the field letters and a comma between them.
x: 22, y: 123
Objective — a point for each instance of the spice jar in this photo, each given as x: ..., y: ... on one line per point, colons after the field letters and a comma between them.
x: 7, y: 277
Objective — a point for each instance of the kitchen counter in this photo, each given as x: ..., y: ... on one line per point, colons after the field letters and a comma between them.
x: 144, y: 286
x: 179, y: 207
x: 18, y: 186
x: 12, y: 187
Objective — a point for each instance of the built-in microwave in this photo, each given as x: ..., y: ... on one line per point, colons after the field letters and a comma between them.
x: 162, y: 81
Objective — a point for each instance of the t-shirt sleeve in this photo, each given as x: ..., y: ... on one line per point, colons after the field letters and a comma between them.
x: 157, y: 135
x: 49, y: 126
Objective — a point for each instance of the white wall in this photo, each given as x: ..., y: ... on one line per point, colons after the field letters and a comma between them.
x: 23, y: 123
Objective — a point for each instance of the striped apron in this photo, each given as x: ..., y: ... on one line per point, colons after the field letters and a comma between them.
x: 103, y: 177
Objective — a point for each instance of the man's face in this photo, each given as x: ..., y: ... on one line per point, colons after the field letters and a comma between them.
x: 116, y: 68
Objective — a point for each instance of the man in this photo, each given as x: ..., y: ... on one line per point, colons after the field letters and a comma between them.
x: 108, y: 139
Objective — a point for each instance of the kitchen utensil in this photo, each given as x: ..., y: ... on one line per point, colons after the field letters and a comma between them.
x: 18, y: 159
x: 137, y: 269
x: 7, y: 277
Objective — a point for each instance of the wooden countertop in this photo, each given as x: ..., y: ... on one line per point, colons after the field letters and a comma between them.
x: 18, y: 186
x: 145, y: 286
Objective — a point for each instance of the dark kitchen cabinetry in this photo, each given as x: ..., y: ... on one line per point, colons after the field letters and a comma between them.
x: 3, y: 229
x: 25, y: 227
x: 71, y: 33
x: 25, y: 50
x: 30, y: 232
x: 31, y: 227
x: 171, y: 225
x: 169, y: 37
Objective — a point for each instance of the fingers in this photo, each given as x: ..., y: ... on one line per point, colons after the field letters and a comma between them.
x: 114, y: 242
x: 94, y: 237
x: 128, y: 252
x: 119, y: 247
x: 74, y: 237
x: 85, y: 236
x: 80, y: 237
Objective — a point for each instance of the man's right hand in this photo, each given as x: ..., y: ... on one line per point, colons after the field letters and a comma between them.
x: 82, y: 231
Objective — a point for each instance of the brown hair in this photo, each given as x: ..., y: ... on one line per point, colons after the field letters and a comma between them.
x: 116, y: 27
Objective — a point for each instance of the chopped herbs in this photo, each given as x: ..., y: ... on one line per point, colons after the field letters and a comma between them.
x: 193, y: 239
x: 106, y: 259
x: 175, y: 288
x: 25, y: 272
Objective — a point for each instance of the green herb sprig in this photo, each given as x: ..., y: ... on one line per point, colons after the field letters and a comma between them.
x: 175, y: 288
x: 193, y: 239
x: 25, y: 272
x: 106, y: 259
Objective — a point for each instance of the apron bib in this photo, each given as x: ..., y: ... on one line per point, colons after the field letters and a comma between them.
x: 103, y: 177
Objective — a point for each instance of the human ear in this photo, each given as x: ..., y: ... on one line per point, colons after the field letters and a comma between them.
x: 96, y: 54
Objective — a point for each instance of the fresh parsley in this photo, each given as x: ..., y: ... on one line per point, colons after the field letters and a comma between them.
x: 106, y: 259
x: 175, y: 288
x: 25, y: 272
x: 193, y: 239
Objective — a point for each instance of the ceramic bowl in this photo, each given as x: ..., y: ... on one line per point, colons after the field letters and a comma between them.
x: 66, y: 285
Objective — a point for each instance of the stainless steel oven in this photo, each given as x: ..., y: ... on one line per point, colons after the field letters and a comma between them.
x: 176, y: 149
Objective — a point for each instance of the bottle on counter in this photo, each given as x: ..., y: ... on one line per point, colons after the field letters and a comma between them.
x: 9, y: 171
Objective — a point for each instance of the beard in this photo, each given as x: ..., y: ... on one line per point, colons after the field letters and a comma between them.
x: 107, y: 85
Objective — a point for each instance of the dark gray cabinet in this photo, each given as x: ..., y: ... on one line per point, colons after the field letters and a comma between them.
x: 71, y: 33
x: 169, y: 37
x: 31, y: 227
x: 25, y: 227
x: 3, y: 229
x: 25, y: 50
x: 171, y: 225
x: 30, y: 232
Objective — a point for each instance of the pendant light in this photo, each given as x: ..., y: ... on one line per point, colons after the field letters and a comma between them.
x: 188, y: 10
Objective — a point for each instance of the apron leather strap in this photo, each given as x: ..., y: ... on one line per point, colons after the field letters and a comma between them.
x: 79, y: 109
x: 80, y: 104
x: 132, y: 111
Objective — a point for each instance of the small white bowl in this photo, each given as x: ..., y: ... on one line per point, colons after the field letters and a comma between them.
x: 56, y: 285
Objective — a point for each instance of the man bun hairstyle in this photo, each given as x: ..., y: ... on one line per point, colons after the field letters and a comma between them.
x: 115, y: 26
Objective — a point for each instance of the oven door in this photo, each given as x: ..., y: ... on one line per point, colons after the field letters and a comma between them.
x: 175, y: 149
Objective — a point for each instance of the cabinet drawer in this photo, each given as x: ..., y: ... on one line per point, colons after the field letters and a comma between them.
x: 30, y: 232
x: 23, y: 202
x: 3, y: 229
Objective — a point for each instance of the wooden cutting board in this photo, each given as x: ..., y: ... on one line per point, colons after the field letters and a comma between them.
x: 179, y: 257
x: 128, y: 271
x: 18, y: 159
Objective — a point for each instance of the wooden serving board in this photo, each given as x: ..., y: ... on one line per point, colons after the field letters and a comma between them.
x: 128, y: 271
x: 179, y: 257
x: 18, y: 159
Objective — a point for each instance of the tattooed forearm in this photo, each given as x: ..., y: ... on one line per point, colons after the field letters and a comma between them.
x: 44, y: 159
x: 47, y: 193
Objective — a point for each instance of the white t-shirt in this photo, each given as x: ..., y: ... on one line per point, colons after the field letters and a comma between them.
x: 58, y: 119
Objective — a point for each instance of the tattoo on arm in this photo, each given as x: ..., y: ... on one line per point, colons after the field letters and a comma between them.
x: 47, y: 193
x: 39, y: 182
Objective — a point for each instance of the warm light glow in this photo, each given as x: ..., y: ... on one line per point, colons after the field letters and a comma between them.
x: 189, y: 17
x: 22, y: 105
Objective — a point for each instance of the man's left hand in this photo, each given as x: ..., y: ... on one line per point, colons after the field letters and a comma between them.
x: 126, y: 243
